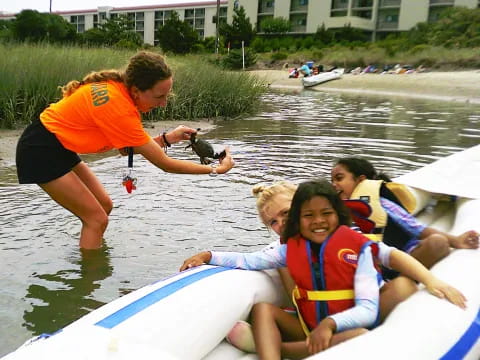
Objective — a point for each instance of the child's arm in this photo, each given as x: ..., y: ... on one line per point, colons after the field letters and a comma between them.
x: 271, y: 257
x: 411, y: 267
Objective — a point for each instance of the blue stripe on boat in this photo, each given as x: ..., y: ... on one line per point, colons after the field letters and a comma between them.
x: 466, y: 342
x: 135, y: 307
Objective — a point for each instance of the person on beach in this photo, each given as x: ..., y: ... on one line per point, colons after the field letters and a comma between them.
x: 99, y: 113
x: 356, y: 178
x: 305, y: 70
x: 325, y: 221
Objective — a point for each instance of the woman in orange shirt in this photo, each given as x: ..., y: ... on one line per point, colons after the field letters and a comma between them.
x: 100, y: 113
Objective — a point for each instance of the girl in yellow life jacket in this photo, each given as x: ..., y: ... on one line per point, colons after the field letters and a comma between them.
x: 356, y: 178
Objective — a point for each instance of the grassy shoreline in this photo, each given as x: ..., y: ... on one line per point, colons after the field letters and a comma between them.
x: 31, y: 75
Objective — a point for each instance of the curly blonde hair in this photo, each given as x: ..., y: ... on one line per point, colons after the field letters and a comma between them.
x: 265, y: 194
x: 143, y: 71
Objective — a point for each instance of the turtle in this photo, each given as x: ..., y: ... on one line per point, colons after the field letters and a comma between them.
x: 204, y: 150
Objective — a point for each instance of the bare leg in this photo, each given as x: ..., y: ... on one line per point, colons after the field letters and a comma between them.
x: 87, y: 176
x: 393, y: 293
x: 431, y: 250
x: 74, y: 195
x: 278, y: 334
x: 270, y: 324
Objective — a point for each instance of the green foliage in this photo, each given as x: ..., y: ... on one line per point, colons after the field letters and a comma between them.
x: 240, y: 30
x: 209, y: 44
x: 177, y: 36
x: 30, y: 25
x: 234, y: 59
x: 201, y: 90
x: 59, y: 29
x: 275, y: 25
x: 34, y: 26
x: 258, y: 44
x: 279, y: 56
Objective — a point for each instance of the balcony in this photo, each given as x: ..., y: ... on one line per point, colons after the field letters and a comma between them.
x: 442, y: 2
x: 387, y: 25
x: 362, y: 3
x: 339, y: 5
x: 390, y: 3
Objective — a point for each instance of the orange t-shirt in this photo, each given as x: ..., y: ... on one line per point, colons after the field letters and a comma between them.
x: 97, y: 117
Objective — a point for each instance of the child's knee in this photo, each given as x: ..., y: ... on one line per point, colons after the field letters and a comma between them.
x: 437, y: 244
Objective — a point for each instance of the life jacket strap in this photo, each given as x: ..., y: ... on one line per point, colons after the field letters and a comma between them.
x: 322, y: 295
x: 374, y: 237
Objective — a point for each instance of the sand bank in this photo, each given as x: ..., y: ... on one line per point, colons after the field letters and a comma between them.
x: 463, y: 86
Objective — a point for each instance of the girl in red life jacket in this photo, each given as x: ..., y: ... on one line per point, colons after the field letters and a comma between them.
x: 401, y: 230
x: 322, y: 254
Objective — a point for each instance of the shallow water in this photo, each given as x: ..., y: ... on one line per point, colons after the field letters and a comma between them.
x: 46, y: 283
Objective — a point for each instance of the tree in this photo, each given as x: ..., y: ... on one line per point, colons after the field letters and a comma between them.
x: 59, y: 29
x: 30, y: 25
x: 34, y: 26
x: 176, y: 36
x: 115, y: 31
x: 275, y: 25
x: 240, y: 30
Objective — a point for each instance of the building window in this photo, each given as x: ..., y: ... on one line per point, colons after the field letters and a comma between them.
x: 391, y: 18
x: 79, y: 22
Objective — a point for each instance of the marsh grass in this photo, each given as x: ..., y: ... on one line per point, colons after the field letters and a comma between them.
x: 31, y: 74
x: 202, y: 90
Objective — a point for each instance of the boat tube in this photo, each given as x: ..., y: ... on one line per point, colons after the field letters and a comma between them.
x: 188, y: 315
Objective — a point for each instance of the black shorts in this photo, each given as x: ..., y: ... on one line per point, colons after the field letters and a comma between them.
x: 41, y: 157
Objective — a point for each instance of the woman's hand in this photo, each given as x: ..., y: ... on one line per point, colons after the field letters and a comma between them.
x: 444, y: 291
x: 196, y: 260
x: 467, y: 240
x: 320, y: 338
x: 179, y: 134
x: 226, y: 163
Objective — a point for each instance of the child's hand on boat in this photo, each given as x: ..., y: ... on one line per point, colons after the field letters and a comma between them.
x: 467, y: 240
x: 196, y: 260
x: 320, y: 338
x: 442, y: 290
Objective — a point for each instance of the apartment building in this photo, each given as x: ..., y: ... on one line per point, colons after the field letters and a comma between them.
x: 376, y: 17
x: 373, y: 16
x: 146, y: 19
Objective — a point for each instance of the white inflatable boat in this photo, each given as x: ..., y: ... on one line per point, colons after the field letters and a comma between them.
x: 186, y: 316
x: 322, y: 77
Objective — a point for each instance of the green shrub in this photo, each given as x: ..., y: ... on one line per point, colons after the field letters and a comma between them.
x: 279, y: 56
x: 234, y: 59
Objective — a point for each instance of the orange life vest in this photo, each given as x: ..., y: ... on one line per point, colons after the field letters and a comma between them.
x: 325, y: 281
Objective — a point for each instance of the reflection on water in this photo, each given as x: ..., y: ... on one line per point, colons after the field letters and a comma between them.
x: 170, y: 217
x: 60, y: 298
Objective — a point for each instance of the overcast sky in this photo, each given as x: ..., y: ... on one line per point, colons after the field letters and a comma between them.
x: 15, y: 6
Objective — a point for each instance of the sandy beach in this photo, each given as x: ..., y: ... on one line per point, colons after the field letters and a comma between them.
x: 462, y: 86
